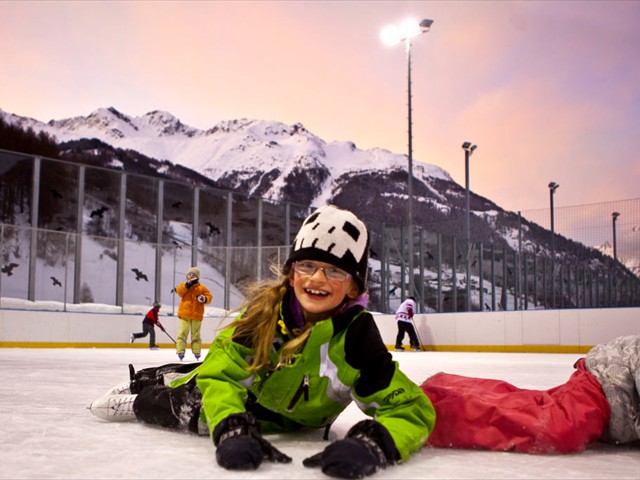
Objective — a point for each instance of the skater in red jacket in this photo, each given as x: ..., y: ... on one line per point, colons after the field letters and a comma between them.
x: 148, y: 327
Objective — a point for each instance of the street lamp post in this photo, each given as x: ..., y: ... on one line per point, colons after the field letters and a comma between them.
x: 392, y: 35
x: 468, y: 150
x: 553, y: 186
x: 615, y: 216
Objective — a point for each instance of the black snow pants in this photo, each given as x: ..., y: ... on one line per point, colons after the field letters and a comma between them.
x: 179, y: 407
x: 407, y: 327
x: 157, y: 404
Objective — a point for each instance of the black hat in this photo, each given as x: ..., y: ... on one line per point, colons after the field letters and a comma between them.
x: 336, y: 236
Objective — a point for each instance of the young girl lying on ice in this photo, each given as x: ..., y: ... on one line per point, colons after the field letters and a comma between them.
x: 302, y: 349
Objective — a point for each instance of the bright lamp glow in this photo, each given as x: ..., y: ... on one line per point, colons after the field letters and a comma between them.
x: 391, y: 35
x: 409, y: 29
x: 394, y: 34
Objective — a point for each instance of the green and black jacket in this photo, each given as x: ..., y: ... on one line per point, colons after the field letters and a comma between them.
x: 343, y: 360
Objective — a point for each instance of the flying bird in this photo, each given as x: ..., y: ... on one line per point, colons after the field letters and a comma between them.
x: 55, y: 281
x: 8, y: 269
x: 139, y: 275
x: 212, y: 228
x: 99, y: 212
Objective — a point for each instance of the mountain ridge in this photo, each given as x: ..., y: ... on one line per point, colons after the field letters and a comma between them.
x: 283, y: 162
x: 287, y: 163
x: 264, y: 146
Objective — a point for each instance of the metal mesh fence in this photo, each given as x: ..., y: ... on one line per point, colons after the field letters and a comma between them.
x: 162, y: 227
x: 595, y: 263
x: 593, y: 225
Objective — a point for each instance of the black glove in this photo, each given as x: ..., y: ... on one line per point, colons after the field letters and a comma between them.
x: 240, y: 445
x: 367, y: 447
x: 191, y: 283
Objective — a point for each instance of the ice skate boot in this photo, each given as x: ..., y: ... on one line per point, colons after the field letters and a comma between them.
x: 131, y: 338
x: 123, y: 388
x: 399, y: 348
x: 114, y: 408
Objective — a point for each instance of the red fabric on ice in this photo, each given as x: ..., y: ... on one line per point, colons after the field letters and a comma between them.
x: 495, y: 415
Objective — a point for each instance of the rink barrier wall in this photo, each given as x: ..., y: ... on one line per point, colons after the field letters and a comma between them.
x: 529, y: 331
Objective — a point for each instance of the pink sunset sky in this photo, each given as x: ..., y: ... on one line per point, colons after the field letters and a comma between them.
x: 549, y: 91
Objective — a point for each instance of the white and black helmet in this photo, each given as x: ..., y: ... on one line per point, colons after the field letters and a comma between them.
x: 336, y: 236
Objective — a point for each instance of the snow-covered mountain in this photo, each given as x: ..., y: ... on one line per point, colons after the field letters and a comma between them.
x: 283, y: 162
x: 288, y: 163
x: 236, y: 153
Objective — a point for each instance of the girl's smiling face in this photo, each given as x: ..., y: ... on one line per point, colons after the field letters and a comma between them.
x: 318, y: 295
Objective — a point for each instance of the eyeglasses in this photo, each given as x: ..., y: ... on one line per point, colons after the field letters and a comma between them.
x: 310, y: 268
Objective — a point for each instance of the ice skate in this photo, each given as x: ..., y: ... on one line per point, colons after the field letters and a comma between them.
x: 197, y: 355
x: 123, y: 388
x: 114, y: 408
x: 131, y: 338
x: 181, y: 356
x: 399, y: 348
x: 155, y: 347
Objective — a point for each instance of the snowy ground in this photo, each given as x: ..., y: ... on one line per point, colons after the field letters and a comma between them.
x: 48, y: 432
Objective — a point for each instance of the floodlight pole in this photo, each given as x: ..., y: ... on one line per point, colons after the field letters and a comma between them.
x: 393, y: 35
x: 468, y: 150
x: 410, y: 172
x: 615, y: 216
x: 553, y: 186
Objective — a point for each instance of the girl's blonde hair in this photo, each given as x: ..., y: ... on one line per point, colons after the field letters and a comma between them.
x: 259, y: 320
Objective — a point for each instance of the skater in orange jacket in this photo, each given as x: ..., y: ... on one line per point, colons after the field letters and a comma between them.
x: 193, y: 297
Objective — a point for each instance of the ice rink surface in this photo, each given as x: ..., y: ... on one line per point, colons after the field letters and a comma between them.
x: 48, y: 432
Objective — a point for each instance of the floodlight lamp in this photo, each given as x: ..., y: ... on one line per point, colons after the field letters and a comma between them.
x: 426, y: 24
x: 553, y: 186
x: 469, y: 147
x: 615, y: 215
